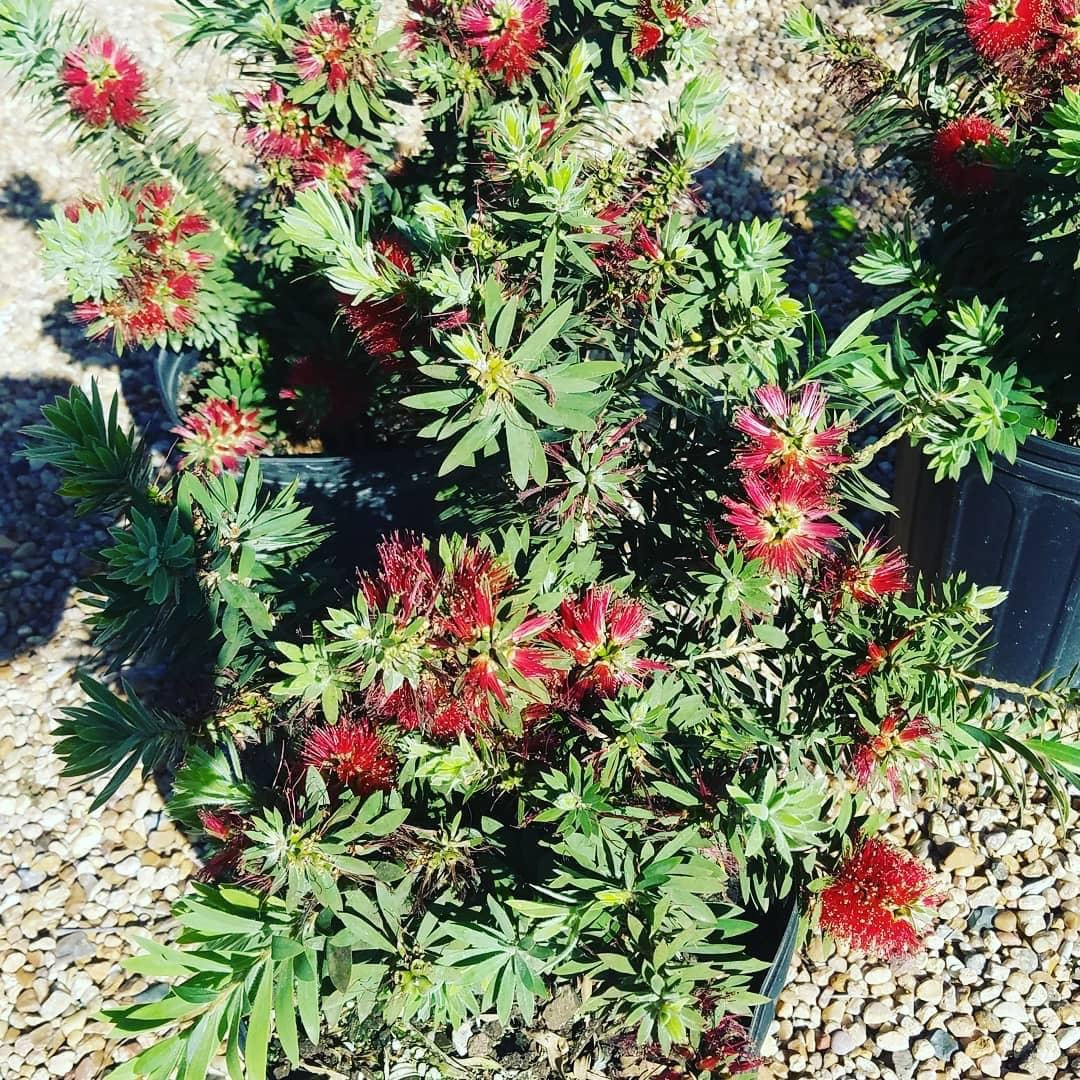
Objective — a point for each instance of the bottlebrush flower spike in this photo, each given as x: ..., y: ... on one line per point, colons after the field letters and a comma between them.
x: 509, y: 34
x: 431, y: 707
x: 1058, y: 43
x: 878, y: 655
x: 789, y: 440
x: 343, y: 168
x: 647, y: 33
x: 228, y: 828
x: 726, y: 1050
x: 879, y: 754
x: 156, y: 208
x: 997, y: 27
x: 867, y: 574
x: 384, y: 326
x: 602, y: 632
x: 405, y: 578
x: 104, y: 83
x: 324, y: 47
x: 958, y: 157
x: 871, y: 901
x: 475, y: 584
x: 277, y: 127
x: 219, y: 434
x: 353, y: 754
x: 645, y: 38
x: 781, y: 524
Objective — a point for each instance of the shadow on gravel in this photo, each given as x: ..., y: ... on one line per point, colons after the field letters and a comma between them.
x: 21, y: 200
x: 136, y: 371
x: 41, y: 543
x: 821, y: 253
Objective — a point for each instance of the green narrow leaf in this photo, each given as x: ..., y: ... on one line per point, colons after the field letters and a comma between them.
x: 547, y: 265
x: 285, y: 1011
x: 257, y: 1043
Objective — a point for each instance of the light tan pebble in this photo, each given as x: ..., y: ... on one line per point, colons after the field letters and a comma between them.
x: 961, y: 858
x: 878, y: 976
x: 834, y: 1012
x: 55, y: 1004
x: 13, y: 962
x: 922, y: 1050
x: 1047, y: 942
x: 978, y: 1048
x: 893, y: 1042
x: 991, y: 1065
x: 930, y: 990
x: 1047, y: 1049
x: 61, y: 1064
x: 1005, y: 920
x: 961, y: 1026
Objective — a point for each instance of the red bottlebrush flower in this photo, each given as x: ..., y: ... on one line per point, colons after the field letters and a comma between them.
x: 647, y: 244
x: 645, y: 38
x: 789, y: 440
x: 325, y: 47
x: 1058, y: 43
x: 958, y: 158
x: 997, y: 27
x: 451, y: 320
x: 867, y: 574
x: 384, y: 326
x: 601, y: 632
x: 509, y: 33
x: 353, y: 754
x: 726, y: 1049
x: 781, y: 525
x: 279, y: 127
x: 877, y: 655
x: 104, y: 83
x: 219, y: 434
x: 647, y: 33
x: 381, y: 326
x: 871, y: 901
x: 156, y: 207
x: 879, y: 753
x: 75, y: 210
x: 343, y: 168
x: 396, y: 252
x: 474, y: 585
x: 431, y: 707
x: 405, y: 578
x: 228, y: 828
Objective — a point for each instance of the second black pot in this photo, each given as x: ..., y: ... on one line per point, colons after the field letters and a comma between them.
x: 1021, y: 532
x: 365, y: 495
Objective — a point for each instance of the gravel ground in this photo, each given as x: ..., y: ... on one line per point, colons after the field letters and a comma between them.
x: 993, y: 996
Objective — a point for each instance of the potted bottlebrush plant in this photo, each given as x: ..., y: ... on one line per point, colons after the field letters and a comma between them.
x: 985, y: 111
x: 381, y: 108
x: 658, y: 690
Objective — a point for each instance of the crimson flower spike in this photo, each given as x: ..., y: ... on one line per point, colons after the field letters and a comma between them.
x: 874, y: 897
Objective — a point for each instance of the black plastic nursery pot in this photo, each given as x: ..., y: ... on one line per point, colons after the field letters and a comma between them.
x: 365, y: 495
x: 774, y: 942
x: 1021, y: 532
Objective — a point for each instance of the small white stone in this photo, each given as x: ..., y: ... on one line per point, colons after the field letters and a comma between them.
x: 893, y: 1042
